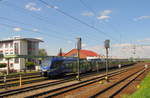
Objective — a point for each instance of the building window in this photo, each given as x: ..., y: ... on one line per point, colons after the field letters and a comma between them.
x: 16, y: 60
x: 11, y: 59
x: 6, y: 53
x: 1, y: 45
x: 16, y: 46
x: 11, y: 52
x: 11, y: 65
x: 6, y: 45
x: 11, y: 45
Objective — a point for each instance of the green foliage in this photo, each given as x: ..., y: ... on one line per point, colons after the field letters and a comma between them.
x: 143, y: 91
x: 2, y: 65
x: 30, y: 65
x: 42, y: 52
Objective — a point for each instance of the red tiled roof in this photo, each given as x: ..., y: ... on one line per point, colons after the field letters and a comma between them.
x: 89, y: 53
x: 86, y: 52
x: 62, y: 54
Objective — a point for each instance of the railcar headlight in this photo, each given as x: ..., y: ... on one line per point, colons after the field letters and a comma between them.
x: 44, y: 70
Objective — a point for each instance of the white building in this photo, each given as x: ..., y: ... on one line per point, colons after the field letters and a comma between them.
x: 18, y: 46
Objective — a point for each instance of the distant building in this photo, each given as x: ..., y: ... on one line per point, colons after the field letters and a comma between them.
x: 83, y: 53
x: 18, y: 46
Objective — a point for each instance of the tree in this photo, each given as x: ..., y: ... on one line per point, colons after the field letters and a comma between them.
x: 3, y: 65
x: 42, y: 52
x: 30, y: 65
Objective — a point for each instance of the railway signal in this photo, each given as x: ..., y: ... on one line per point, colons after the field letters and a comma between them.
x: 78, y: 53
x: 107, y: 46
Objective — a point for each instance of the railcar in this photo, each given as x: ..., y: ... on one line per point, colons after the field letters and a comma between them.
x: 54, y: 66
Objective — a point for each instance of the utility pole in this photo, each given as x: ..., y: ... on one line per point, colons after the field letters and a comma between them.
x: 107, y: 46
x: 78, y: 54
x: 134, y: 52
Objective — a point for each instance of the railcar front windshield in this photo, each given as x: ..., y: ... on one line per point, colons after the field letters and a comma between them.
x: 46, y: 64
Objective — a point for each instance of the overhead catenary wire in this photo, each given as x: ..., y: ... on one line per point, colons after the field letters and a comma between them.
x: 76, y: 19
x: 43, y: 19
x: 30, y: 30
x: 89, y: 8
x: 36, y: 16
x: 4, y: 18
x: 39, y: 17
x: 92, y: 10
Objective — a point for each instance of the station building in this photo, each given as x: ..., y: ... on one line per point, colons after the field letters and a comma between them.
x: 84, y: 54
x: 18, y: 46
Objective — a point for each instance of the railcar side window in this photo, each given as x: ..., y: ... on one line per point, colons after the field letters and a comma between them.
x: 57, y: 64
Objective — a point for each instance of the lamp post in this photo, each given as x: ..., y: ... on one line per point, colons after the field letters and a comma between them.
x: 78, y: 54
x: 107, y: 47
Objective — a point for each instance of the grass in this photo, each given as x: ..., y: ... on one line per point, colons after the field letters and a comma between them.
x: 143, y: 90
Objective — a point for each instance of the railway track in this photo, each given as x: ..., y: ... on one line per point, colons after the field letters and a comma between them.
x: 35, y: 87
x: 14, y: 76
x: 15, y: 80
x: 118, y: 86
x: 65, y: 89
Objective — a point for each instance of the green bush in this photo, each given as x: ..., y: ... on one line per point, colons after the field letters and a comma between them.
x: 30, y: 65
x: 2, y: 65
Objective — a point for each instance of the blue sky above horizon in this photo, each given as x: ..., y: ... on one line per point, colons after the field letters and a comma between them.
x: 124, y: 22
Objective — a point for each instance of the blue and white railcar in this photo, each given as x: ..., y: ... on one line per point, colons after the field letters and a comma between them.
x: 53, y: 66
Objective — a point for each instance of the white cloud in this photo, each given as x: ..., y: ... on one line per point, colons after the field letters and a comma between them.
x: 84, y: 45
x: 104, y: 15
x: 122, y: 45
x: 69, y: 42
x: 17, y: 29
x: 105, y: 12
x: 124, y: 50
x: 55, y: 7
x: 32, y: 7
x: 144, y: 40
x: 35, y: 30
x: 87, y: 14
x: 141, y: 18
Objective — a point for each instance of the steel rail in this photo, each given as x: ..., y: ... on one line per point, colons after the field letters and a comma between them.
x: 78, y: 85
x: 115, y: 84
x: 20, y: 90
x: 39, y: 86
x: 118, y: 91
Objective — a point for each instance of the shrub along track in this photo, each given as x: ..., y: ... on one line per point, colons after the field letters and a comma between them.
x: 90, y: 87
x: 44, y: 86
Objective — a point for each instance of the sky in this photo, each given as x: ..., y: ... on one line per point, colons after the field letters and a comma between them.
x: 60, y: 22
